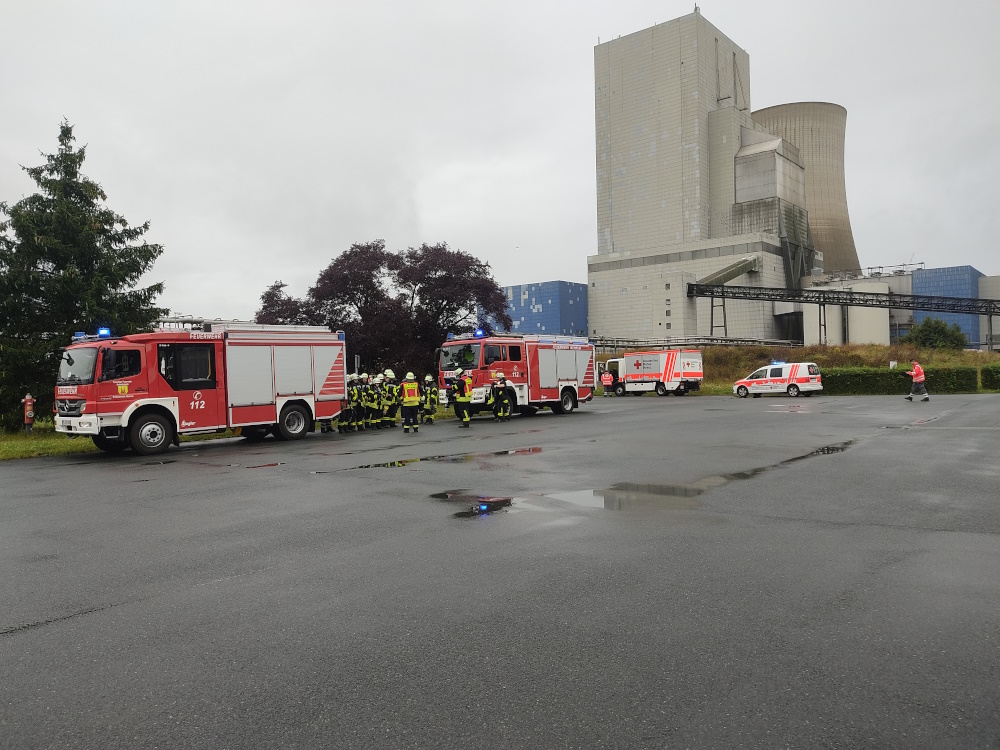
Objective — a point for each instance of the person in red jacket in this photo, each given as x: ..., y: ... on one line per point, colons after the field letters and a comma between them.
x: 918, y: 388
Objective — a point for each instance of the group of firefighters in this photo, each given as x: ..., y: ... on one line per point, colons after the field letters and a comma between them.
x: 373, y: 402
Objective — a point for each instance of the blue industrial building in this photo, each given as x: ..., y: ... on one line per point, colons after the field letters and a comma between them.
x: 955, y: 281
x: 553, y: 307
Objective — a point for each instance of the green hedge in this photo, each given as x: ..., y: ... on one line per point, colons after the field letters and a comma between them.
x: 991, y: 377
x: 885, y: 382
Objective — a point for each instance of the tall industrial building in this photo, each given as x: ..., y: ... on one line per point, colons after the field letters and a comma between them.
x: 691, y: 188
x: 819, y: 129
x: 548, y: 307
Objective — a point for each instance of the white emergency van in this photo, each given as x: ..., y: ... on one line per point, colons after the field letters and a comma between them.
x: 792, y: 378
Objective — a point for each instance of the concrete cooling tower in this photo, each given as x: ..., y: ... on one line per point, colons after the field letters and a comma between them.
x: 818, y: 129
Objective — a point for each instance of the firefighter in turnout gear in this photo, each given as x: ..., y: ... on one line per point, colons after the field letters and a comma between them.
x: 367, y: 401
x: 345, y: 421
x: 501, y: 400
x: 390, y: 399
x: 428, y: 400
x: 409, y: 390
x: 462, y: 388
x: 378, y: 409
x: 358, y: 417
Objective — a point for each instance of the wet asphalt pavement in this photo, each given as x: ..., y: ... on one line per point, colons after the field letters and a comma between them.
x: 670, y: 572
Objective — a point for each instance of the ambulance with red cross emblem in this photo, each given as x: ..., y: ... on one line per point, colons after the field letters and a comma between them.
x: 144, y: 391
x: 793, y: 378
x: 676, y: 371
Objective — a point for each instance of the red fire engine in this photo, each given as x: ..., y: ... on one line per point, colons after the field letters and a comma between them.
x: 557, y: 372
x: 144, y: 391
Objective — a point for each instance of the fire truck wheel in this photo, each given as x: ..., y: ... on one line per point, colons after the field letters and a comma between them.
x: 661, y: 390
x: 108, y: 445
x: 567, y: 401
x: 793, y: 390
x: 742, y: 391
x: 294, y: 423
x: 620, y: 389
x: 151, y: 434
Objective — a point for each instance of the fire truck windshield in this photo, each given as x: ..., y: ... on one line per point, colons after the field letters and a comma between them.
x: 460, y: 355
x: 77, y: 366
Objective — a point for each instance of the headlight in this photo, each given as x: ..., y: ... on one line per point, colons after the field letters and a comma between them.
x: 85, y: 424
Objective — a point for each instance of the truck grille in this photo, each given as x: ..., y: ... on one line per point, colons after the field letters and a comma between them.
x: 70, y: 408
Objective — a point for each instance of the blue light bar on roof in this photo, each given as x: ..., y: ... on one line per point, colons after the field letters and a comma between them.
x: 479, y: 333
x: 103, y: 333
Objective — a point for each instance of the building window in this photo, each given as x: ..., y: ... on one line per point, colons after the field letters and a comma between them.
x: 667, y: 287
x: 668, y: 325
x: 667, y: 313
x: 666, y: 302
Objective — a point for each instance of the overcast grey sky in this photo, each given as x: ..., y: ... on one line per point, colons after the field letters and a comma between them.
x: 262, y: 138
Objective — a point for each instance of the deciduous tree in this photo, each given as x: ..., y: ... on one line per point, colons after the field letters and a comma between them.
x: 395, y: 307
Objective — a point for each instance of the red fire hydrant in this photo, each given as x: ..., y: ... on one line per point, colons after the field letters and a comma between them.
x: 29, y: 412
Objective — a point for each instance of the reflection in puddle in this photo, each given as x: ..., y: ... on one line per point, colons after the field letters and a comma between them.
x: 632, y: 496
x: 629, y: 496
x: 478, y: 505
x: 449, y: 458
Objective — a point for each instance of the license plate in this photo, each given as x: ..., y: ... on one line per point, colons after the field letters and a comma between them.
x: 66, y: 422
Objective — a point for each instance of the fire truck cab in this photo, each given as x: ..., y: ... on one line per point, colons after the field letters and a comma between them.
x: 145, y: 390
x: 558, y: 372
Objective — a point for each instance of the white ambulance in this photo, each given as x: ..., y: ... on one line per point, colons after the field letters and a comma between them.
x: 792, y: 378
x: 667, y: 371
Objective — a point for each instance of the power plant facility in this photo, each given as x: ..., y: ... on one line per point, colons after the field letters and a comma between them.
x: 694, y: 187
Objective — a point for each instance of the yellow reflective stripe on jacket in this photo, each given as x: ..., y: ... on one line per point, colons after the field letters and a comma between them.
x: 467, y: 396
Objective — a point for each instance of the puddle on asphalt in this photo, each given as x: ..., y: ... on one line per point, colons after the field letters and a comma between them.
x: 632, y: 496
x: 476, y: 505
x: 449, y: 458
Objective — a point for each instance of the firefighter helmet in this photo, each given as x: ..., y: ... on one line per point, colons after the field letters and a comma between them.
x: 428, y: 378
x: 389, y: 373
x: 364, y: 376
x: 409, y: 376
x: 458, y: 372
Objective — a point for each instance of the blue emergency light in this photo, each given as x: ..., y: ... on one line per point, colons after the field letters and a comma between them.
x: 103, y: 333
x: 479, y: 333
x: 775, y: 362
x: 451, y: 336
x: 483, y: 507
x: 80, y: 335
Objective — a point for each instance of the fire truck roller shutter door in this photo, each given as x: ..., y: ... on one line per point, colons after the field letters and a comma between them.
x: 566, y: 364
x: 248, y: 369
x: 547, y: 377
x: 251, y: 384
x: 292, y: 370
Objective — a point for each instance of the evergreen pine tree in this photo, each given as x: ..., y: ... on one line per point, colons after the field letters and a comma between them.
x: 67, y: 263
